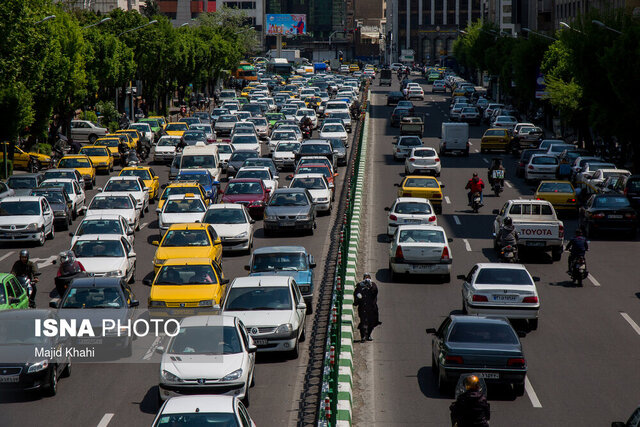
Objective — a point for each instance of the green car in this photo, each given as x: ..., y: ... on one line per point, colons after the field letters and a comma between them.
x: 272, y: 118
x: 155, y: 125
x: 433, y: 77
x: 12, y: 294
x: 242, y: 100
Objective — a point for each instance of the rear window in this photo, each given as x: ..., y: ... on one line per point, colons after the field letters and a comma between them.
x: 530, y: 209
x: 555, y: 187
x: 503, y: 276
x: 495, y: 132
x: 485, y: 333
x: 421, y: 236
x: 544, y: 161
x: 611, y: 202
x: 421, y: 183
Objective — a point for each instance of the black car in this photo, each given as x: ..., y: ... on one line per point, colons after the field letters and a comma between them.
x: 61, y: 204
x: 25, y: 364
x: 525, y: 156
x: 486, y: 346
x: 394, y: 97
x: 397, y: 115
x: 630, y: 187
x: 608, y: 212
x: 408, y: 105
x: 317, y: 147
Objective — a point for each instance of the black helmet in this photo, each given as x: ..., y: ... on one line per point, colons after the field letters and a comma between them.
x: 24, y: 253
x: 579, y: 232
x: 508, y: 221
x: 475, y: 174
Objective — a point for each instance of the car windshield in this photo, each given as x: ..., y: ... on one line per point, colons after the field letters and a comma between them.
x: 259, y: 298
x: 611, y: 202
x: 74, y: 163
x: 332, y: 128
x: 242, y: 156
x: 210, y: 340
x: 309, y: 183
x: 177, y: 127
x: 289, y: 199
x: 99, y: 226
x: 279, y: 261
x: 410, y: 142
x: 93, y: 298
x: 184, y: 206
x: 198, y: 161
x: 412, y: 208
x: 607, y: 174
x: 174, y: 275
x: 51, y: 196
x: 253, y: 173
x: 142, y: 173
x: 95, y: 152
x: 98, y: 249
x: 21, y: 183
x: 555, y: 187
x: 244, y: 188
x: 116, y: 202
x: 503, y: 276
x: 421, y: 183
x: 224, y: 216
x: 170, y: 191
x: 224, y: 148
x: 421, y: 236
x: 179, y: 238
x: 287, y: 146
x: 122, y: 185
x: 482, y: 333
x: 19, y: 208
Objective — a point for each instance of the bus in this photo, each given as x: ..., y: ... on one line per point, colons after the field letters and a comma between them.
x: 280, y: 66
x: 246, y: 71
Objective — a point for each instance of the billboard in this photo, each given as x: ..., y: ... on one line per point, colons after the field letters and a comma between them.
x: 286, y: 24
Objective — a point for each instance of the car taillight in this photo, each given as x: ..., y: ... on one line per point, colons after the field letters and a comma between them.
x: 453, y: 359
x: 412, y: 159
x: 437, y: 195
x: 530, y: 167
x: 521, y: 164
x: 393, y: 217
x: 399, y: 254
x: 436, y: 160
x: 432, y: 218
x: 598, y: 215
x: 630, y: 215
x: 571, y: 200
x: 444, y: 144
x: 625, y: 191
x: 516, y: 362
x: 538, y: 198
x: 479, y: 298
x: 530, y: 300
x: 445, y: 253
x: 561, y: 231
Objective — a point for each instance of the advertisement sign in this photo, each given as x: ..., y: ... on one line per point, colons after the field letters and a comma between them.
x: 286, y: 24
x: 541, y: 87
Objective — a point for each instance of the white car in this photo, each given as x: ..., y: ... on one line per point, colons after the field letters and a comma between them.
x: 246, y: 141
x: 207, y: 129
x: 209, y: 355
x: 396, y: 66
x: 86, y: 131
x: 65, y: 173
x: 122, y: 204
x: 541, y: 166
x: 165, y: 149
x: 588, y: 169
x: 104, y: 224
x: 180, y: 208
x: 260, y: 172
x: 438, y: 86
x: 26, y: 218
x: 107, y: 255
x: 507, y: 122
x: 423, y: 160
x: 224, y: 153
x: 415, y: 92
x: 279, y: 136
x: 233, y: 224
x: 203, y: 409
x: 334, y: 130
x: 292, y: 127
x: 505, y: 290
x: 404, y: 145
x: 410, y: 210
x: 133, y: 185
x: 318, y: 187
x: 271, y: 308
x: 600, y: 176
x: 307, y: 112
x: 420, y: 249
x: 75, y: 191
x: 456, y: 110
x: 284, y: 155
x: 145, y: 131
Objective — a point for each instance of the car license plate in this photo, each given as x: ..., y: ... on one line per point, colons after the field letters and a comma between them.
x: 505, y: 297
x: 489, y: 375
x: 85, y: 341
x: 424, y: 267
x: 615, y: 216
x: 412, y: 221
x: 9, y: 378
x: 287, y: 223
x: 535, y: 243
x: 260, y: 342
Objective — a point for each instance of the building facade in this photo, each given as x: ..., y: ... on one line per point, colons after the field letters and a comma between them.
x: 106, y: 6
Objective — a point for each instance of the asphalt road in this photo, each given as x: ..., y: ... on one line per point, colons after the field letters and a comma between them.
x: 125, y: 394
x: 583, y: 361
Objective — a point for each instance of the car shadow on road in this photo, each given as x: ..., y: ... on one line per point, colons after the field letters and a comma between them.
x: 383, y: 275
x: 151, y: 401
x: 428, y: 383
x: 566, y: 284
x: 19, y: 397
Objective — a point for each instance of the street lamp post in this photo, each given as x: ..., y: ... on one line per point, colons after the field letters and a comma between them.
x: 47, y: 18
x: 102, y: 21
x: 569, y: 27
x: 527, y: 30
x: 139, y: 27
x: 606, y: 27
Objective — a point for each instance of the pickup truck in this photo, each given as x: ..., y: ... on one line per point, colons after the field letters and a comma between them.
x: 536, y: 223
x: 412, y: 126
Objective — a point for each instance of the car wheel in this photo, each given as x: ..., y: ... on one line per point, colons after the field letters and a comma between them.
x: 52, y: 387
x: 556, y: 253
x: 303, y: 335
x: 464, y: 307
x: 127, y: 351
x: 64, y: 226
x: 518, y: 389
x: 146, y: 208
x: 42, y: 238
x: 588, y: 231
x: 138, y: 225
x: 533, y: 324
x: 52, y: 234
x: 66, y: 372
x: 74, y: 214
x: 69, y: 220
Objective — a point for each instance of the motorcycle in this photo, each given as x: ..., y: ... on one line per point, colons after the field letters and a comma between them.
x: 34, y: 164
x: 26, y: 283
x: 509, y: 254
x: 461, y: 389
x: 476, y: 202
x: 578, y: 270
x: 306, y: 132
x: 63, y: 282
x: 132, y: 158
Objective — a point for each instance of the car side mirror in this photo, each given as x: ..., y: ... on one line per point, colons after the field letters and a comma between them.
x: 146, y: 189
x: 54, y: 303
x: 496, y: 212
x: 252, y: 348
x: 387, y: 209
x: 252, y: 221
x: 396, y: 185
x: 70, y: 234
x: 301, y: 306
x: 442, y: 185
x: 99, y: 189
x: 218, y: 241
x: 14, y: 300
x: 146, y: 282
x: 160, y: 349
x: 461, y: 277
x: 246, y: 267
x: 449, y: 239
x: 224, y: 281
x: 336, y: 174
x: 134, y: 303
x: 155, y: 243
x: 536, y: 278
x: 432, y: 331
x: 131, y: 254
x: 158, y: 210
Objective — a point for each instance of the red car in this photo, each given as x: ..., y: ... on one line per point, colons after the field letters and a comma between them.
x: 250, y: 192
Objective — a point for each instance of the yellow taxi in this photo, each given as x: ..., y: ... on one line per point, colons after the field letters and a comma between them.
x: 123, y: 137
x: 21, y: 157
x: 110, y: 143
x: 353, y: 67
x: 495, y: 139
x: 193, y: 240
x: 161, y: 120
x: 149, y: 177
x: 312, y: 102
x: 176, y: 128
x: 133, y: 133
x: 188, y: 283
x: 183, y: 187
x: 560, y: 194
x: 82, y: 164
x: 426, y: 187
x: 100, y: 156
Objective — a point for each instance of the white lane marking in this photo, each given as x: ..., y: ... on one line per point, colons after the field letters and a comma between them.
x: 593, y: 280
x: 46, y: 262
x: 456, y: 219
x: 508, y: 184
x: 485, y: 160
x: 143, y: 225
x: 630, y: 321
x: 476, y: 150
x: 467, y: 245
x: 106, y: 419
x: 446, y: 199
x: 533, y: 397
x: 470, y: 143
x: 7, y: 255
x: 152, y: 349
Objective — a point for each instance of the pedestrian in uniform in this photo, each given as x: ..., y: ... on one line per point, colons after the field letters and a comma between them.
x: 366, y: 299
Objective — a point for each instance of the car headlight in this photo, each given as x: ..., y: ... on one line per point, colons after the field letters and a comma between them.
x: 169, y: 377
x: 233, y: 375
x: 115, y: 273
x: 59, y: 213
x: 285, y: 329
x: 156, y: 304
x: 205, y: 303
x: 322, y: 200
x: 270, y: 217
x: 304, y: 217
x: 38, y: 366
x: 241, y: 235
x: 159, y: 261
x: 32, y: 227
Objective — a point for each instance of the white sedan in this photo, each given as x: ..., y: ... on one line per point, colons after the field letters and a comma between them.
x: 279, y: 136
x: 104, y: 224
x: 284, y: 155
x: 334, y: 130
x: 260, y: 172
x: 415, y: 92
x: 210, y: 354
x: 420, y: 249
x: 179, y: 209
x: 233, y: 224
x: 74, y: 190
x: 423, y: 160
x: 404, y: 145
x: 505, y: 290
x: 541, y: 166
x: 213, y: 409
x: 318, y: 187
x: 122, y: 204
x: 410, y: 210
x: 133, y: 185
x: 26, y: 218
x: 107, y: 255
x: 165, y: 149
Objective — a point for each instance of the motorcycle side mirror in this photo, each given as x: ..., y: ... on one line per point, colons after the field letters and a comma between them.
x: 495, y: 212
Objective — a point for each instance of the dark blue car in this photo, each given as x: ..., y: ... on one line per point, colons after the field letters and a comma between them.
x: 203, y: 177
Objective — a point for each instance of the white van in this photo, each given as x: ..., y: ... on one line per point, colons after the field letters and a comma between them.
x: 202, y: 157
x: 454, y: 137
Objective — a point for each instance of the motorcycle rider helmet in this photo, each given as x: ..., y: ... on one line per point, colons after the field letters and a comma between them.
x: 475, y: 177
x: 66, y: 257
x: 508, y: 221
x: 24, y: 253
x: 471, y: 382
x: 578, y: 232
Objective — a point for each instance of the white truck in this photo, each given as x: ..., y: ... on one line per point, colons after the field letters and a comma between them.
x: 536, y: 224
x: 454, y: 137
x: 289, y: 54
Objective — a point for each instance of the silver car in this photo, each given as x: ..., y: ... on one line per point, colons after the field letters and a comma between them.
x: 86, y: 131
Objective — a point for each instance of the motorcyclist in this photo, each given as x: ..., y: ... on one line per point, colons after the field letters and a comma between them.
x: 507, y: 235
x: 496, y: 165
x: 355, y: 109
x: 306, y: 125
x: 122, y: 150
x: 471, y: 408
x: 577, y: 247
x: 25, y: 268
x: 474, y: 185
x: 69, y: 268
